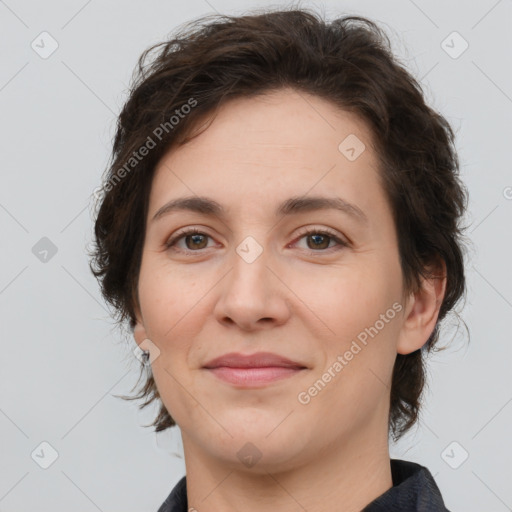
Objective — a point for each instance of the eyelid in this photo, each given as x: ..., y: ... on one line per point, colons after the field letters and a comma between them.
x: 183, y: 233
x: 309, y: 230
x: 340, y: 240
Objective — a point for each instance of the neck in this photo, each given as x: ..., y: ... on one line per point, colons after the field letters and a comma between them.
x: 346, y: 477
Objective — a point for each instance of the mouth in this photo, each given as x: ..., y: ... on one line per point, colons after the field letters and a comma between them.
x: 253, y: 370
x: 249, y: 377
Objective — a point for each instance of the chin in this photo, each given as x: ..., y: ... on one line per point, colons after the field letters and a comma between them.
x: 261, y: 446
x: 260, y: 456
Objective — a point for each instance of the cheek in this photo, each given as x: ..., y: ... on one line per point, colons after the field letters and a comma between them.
x: 174, y: 306
x: 166, y: 298
x: 354, y: 299
x: 167, y: 306
x: 362, y: 310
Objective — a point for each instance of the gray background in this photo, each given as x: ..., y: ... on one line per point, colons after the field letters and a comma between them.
x: 62, y: 360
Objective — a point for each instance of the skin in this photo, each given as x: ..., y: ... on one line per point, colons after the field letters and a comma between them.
x: 296, y: 300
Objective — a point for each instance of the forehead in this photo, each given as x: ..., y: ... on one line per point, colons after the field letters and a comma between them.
x: 279, y: 121
x: 285, y: 141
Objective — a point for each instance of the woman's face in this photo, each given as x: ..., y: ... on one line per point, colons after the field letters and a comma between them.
x: 253, y: 281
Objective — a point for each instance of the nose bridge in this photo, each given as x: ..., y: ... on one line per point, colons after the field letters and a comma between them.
x: 250, y: 275
x: 251, y: 292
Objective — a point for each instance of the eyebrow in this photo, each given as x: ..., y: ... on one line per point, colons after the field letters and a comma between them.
x: 292, y: 206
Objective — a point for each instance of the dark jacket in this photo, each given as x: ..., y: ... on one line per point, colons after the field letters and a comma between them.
x: 414, y: 490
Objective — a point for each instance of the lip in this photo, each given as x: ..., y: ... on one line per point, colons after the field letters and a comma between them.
x: 257, y: 360
x: 253, y: 370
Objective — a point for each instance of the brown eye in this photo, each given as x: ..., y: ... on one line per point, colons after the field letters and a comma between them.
x: 194, y: 240
x: 318, y: 241
x: 197, y: 241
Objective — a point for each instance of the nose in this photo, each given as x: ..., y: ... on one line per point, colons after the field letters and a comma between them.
x: 252, y: 296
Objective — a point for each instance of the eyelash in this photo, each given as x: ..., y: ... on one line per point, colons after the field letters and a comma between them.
x: 323, y: 232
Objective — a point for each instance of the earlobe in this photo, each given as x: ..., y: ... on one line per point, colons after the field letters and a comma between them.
x: 149, y: 349
x: 422, y: 312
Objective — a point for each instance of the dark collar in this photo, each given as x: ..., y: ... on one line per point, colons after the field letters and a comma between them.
x: 414, y: 489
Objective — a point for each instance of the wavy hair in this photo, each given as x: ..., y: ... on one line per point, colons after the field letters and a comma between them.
x: 348, y: 62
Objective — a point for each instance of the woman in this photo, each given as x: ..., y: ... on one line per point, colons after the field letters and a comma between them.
x: 280, y: 227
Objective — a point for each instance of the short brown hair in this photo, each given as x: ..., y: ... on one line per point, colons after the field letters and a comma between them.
x: 347, y: 62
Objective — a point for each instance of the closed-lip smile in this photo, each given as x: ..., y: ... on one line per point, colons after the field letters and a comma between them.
x: 257, y: 360
x: 253, y: 370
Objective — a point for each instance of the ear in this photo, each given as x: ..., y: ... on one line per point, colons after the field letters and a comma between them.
x: 143, y: 341
x: 422, y: 311
x: 139, y: 331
